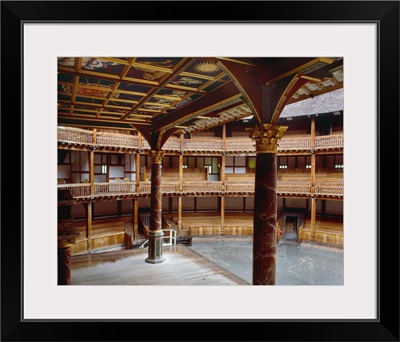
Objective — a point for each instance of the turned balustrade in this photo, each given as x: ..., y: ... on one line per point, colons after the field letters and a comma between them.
x: 76, y: 190
x: 105, y: 139
x: 116, y: 140
x: 292, y: 144
x: 202, y: 144
x: 329, y: 189
x: 74, y: 135
x: 329, y: 141
x: 131, y: 188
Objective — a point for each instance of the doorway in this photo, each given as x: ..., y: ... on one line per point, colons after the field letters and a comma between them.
x: 290, y: 228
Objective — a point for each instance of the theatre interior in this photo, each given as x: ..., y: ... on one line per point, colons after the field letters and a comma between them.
x: 158, y: 155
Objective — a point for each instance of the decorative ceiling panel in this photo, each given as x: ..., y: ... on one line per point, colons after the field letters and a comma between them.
x: 162, y: 91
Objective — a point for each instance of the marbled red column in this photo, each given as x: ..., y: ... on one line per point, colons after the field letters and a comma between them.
x: 64, y: 265
x: 155, y: 249
x: 265, y: 216
x: 266, y: 137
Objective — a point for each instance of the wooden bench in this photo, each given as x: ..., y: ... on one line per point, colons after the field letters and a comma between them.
x: 327, y: 231
x: 210, y: 224
x: 105, y: 233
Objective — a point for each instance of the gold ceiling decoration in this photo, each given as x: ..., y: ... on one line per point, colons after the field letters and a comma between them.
x: 206, y: 67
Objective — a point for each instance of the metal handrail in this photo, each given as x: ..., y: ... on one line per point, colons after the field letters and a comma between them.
x: 171, y: 237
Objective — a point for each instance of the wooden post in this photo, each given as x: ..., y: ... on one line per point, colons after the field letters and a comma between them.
x: 91, y: 172
x: 313, y: 217
x: 312, y: 190
x: 223, y: 158
x: 135, y: 230
x: 180, y: 172
x: 180, y: 167
x: 179, y: 215
x: 119, y: 208
x: 312, y: 151
x: 222, y: 214
x: 89, y: 219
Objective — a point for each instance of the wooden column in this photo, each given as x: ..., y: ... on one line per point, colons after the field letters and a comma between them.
x: 137, y: 161
x: 179, y: 215
x: 119, y: 208
x: 180, y: 186
x: 312, y: 190
x: 137, y: 170
x: 222, y: 214
x: 135, y: 220
x: 223, y: 158
x: 91, y: 171
x: 312, y: 151
x: 135, y: 201
x: 313, y: 217
x: 64, y: 265
x: 155, y: 249
x: 180, y: 172
x: 266, y: 137
x: 66, y: 234
x: 89, y: 222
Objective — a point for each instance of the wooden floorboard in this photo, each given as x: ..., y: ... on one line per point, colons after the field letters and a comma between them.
x: 128, y: 267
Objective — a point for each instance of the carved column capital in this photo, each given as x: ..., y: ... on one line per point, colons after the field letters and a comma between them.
x: 156, y: 156
x: 266, y: 137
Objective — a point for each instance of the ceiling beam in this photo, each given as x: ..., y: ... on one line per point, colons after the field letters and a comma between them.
x: 223, y: 94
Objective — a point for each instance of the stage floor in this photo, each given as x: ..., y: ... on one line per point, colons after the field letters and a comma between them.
x: 208, y: 261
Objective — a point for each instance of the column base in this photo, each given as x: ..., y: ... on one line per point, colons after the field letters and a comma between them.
x: 155, y: 260
x: 155, y: 248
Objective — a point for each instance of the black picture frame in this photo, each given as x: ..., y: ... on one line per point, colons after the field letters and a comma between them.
x: 15, y: 328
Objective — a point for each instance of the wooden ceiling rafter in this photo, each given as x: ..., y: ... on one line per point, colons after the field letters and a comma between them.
x: 109, y: 96
x: 179, y: 67
x: 222, y: 95
x: 204, y: 93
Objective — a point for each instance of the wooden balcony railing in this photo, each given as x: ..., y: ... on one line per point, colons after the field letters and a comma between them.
x: 196, y: 187
x: 296, y: 188
x: 116, y: 188
x: 329, y: 141
x: 116, y: 140
x: 239, y: 145
x: 201, y: 187
x: 329, y: 189
x: 293, y: 144
x: 173, y: 144
x: 74, y: 135
x: 202, y: 145
x: 76, y: 190
x: 239, y: 187
x: 104, y: 139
